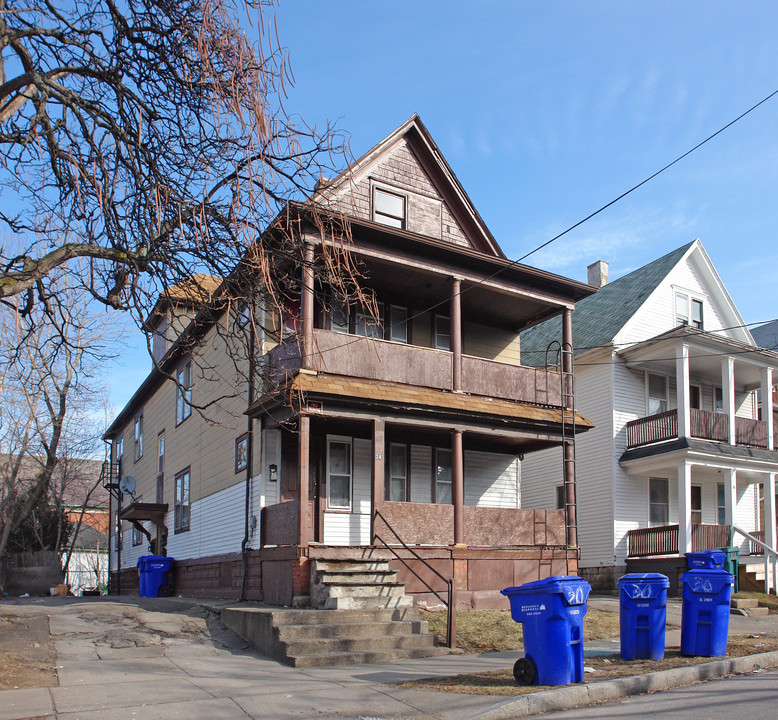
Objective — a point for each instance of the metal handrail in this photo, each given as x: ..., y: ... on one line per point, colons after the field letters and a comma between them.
x: 450, y: 603
x: 768, y: 552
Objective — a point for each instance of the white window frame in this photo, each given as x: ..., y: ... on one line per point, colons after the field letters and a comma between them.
x: 651, y: 504
x: 391, y: 477
x: 183, y: 501
x: 691, y: 503
x: 137, y: 535
x: 438, y: 335
x: 721, y: 410
x: 397, y: 331
x: 390, y: 219
x: 138, y: 436
x: 685, y: 303
x: 343, y: 440
x: 721, y: 504
x: 436, y: 475
x: 161, y: 453
x: 649, y: 397
x: 184, y: 392
x: 699, y: 392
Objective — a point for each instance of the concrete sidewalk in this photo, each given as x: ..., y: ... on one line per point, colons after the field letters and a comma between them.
x: 144, y: 658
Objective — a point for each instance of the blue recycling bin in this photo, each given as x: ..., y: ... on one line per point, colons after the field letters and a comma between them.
x: 157, y: 574
x: 705, y: 612
x: 142, y: 576
x: 706, y: 559
x: 552, y: 613
x: 643, y: 614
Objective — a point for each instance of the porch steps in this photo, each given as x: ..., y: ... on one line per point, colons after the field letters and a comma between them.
x: 310, y: 638
x: 355, y: 584
x: 751, y: 576
x: 748, y: 607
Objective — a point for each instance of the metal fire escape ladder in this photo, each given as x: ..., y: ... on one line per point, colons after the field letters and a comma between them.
x: 564, y: 361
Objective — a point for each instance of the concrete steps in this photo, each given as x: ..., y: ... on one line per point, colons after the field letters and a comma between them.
x: 308, y: 638
x: 354, y: 584
x: 748, y: 607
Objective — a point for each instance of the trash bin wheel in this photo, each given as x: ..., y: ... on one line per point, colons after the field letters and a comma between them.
x: 524, y: 671
x: 166, y: 591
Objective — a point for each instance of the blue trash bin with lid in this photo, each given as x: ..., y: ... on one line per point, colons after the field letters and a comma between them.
x: 642, y: 616
x: 551, y: 612
x: 705, y: 612
x: 706, y: 559
x: 158, y: 575
x: 142, y: 576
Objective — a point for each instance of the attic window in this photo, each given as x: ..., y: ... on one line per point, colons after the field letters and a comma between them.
x: 389, y: 209
x: 688, y: 310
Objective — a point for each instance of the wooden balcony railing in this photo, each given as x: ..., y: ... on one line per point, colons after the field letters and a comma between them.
x: 703, y: 424
x: 359, y: 357
x: 663, y: 540
x: 754, y: 549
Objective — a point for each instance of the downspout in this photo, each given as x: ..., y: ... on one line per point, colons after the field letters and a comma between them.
x: 249, y: 465
x: 109, y: 443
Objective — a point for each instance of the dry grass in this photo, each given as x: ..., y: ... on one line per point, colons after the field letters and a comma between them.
x: 494, y: 630
x: 598, y: 669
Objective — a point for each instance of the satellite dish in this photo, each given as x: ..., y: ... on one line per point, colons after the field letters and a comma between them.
x: 127, y: 484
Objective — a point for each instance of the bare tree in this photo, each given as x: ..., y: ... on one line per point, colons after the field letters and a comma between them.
x: 149, y: 139
x: 51, y: 358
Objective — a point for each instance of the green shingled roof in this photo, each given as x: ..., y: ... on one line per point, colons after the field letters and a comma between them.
x: 598, y: 318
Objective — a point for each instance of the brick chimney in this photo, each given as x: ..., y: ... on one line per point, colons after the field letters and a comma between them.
x: 597, y: 274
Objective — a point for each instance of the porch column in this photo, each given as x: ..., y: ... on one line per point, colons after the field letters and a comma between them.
x: 730, y: 498
x: 684, y: 508
x: 568, y: 452
x: 456, y: 333
x: 728, y: 394
x: 306, y: 308
x: 767, y: 405
x: 304, y: 462
x: 682, y: 391
x: 378, y: 473
x: 768, y: 492
x: 458, y: 486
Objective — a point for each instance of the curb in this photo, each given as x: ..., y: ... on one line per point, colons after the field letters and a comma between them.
x: 572, y: 696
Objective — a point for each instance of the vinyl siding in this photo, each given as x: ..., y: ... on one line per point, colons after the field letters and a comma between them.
x: 353, y: 528
x: 491, y: 480
x: 421, y: 473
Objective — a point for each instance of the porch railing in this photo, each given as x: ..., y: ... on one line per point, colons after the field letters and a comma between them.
x: 703, y: 424
x: 663, y: 540
x: 754, y: 547
x: 450, y: 602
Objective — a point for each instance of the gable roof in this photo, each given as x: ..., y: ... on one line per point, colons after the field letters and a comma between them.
x: 597, y: 319
x: 766, y: 335
x: 437, y: 170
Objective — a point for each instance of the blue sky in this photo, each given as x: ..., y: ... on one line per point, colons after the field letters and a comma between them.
x: 548, y: 110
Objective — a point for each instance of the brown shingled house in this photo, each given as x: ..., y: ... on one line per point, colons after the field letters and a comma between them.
x: 392, y: 432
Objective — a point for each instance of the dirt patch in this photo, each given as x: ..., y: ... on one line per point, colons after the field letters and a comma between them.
x: 27, y: 654
x: 598, y: 669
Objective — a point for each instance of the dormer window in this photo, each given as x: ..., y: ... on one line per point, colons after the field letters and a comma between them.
x: 688, y: 310
x: 389, y: 208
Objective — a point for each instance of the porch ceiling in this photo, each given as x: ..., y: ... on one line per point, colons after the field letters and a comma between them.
x: 706, y: 352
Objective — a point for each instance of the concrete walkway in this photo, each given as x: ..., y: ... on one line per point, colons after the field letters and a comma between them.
x: 141, y: 658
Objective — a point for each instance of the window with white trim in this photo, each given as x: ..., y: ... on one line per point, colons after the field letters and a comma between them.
x: 389, y: 208
x: 442, y: 332
x: 688, y: 310
x: 339, y: 473
x: 658, y: 501
x: 696, y: 509
x: 721, y: 504
x: 695, y: 397
x: 184, y: 392
x: 137, y: 535
x: 718, y: 400
x: 443, y: 476
x: 182, y: 507
x: 138, y: 444
x: 397, y: 473
x: 657, y: 393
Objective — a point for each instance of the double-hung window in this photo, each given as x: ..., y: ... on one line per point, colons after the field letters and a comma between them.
x: 137, y: 535
x: 442, y: 476
x: 721, y: 504
x: 183, y: 507
x: 397, y: 471
x: 658, y: 501
x: 184, y: 392
x: 389, y: 208
x: 657, y: 393
x: 688, y: 310
x: 138, y: 436
x: 339, y: 473
x: 442, y: 332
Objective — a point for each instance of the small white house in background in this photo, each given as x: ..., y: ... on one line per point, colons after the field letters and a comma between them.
x: 670, y: 376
